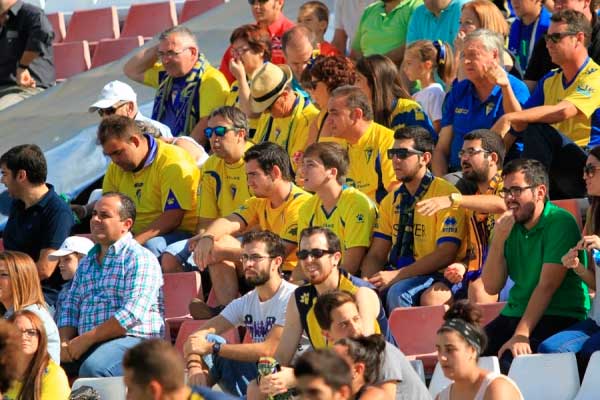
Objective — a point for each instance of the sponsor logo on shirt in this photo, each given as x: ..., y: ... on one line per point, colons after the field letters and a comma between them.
x: 450, y: 225
x: 459, y: 110
x: 584, y: 90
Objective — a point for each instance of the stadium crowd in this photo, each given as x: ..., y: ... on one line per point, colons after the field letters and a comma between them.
x: 316, y: 187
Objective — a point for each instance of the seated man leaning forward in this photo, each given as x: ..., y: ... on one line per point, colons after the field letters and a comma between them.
x: 420, y: 247
x: 115, y: 299
x: 210, y: 359
x: 274, y: 207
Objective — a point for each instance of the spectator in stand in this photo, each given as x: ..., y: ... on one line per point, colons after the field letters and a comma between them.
x: 410, y: 251
x: 38, y: 376
x: 478, y: 101
x: 383, y: 29
x: 541, y: 63
x: 26, y: 56
x: 115, y: 300
x: 561, y: 116
x: 460, y: 342
x: 423, y: 61
x: 529, y: 241
x: 188, y: 88
x: 315, y: 15
x: 250, y: 49
x: 323, y: 374
x: 347, y: 15
x: 119, y: 98
x: 39, y: 220
x: 482, y: 157
x: 435, y: 20
x: 393, y: 107
x: 9, y: 350
x: 532, y: 22
x: 583, y: 338
x: 20, y: 290
x: 268, y: 15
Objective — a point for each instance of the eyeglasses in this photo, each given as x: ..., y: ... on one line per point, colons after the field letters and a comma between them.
x: 110, y: 110
x: 219, y: 131
x: 314, y: 253
x: 588, y: 170
x: 402, y: 153
x: 171, y: 53
x: 514, y: 191
x: 311, y: 84
x: 557, y: 36
x: 470, y: 152
x: 252, y: 2
x: 253, y: 257
x: 30, y: 333
x: 239, y: 51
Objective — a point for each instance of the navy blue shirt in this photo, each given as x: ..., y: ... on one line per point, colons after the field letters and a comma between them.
x: 45, y: 224
x: 464, y: 111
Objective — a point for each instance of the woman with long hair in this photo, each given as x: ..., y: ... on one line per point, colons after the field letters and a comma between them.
x: 38, y: 377
x: 583, y: 338
x: 460, y: 341
x: 393, y: 107
x: 20, y: 289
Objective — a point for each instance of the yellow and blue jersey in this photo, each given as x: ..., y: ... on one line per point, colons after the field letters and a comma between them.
x: 408, y: 112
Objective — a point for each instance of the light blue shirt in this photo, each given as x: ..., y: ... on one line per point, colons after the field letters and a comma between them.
x: 164, y: 130
x: 424, y: 25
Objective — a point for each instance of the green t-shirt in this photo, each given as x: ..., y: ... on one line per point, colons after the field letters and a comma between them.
x: 379, y: 32
x: 526, y: 252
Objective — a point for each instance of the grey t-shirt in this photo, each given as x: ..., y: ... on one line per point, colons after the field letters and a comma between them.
x: 396, y: 367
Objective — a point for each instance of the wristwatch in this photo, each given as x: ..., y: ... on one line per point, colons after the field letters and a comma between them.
x: 216, y: 348
x: 22, y: 66
x: 455, y: 199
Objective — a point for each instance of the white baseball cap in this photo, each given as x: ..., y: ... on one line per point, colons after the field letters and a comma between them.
x: 72, y: 244
x: 112, y: 93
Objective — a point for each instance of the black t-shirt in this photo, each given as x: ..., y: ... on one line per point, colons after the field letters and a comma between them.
x: 541, y: 63
x: 27, y: 28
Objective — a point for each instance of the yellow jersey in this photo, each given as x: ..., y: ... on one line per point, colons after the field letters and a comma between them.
x: 428, y: 231
x: 55, y: 385
x: 168, y: 180
x: 408, y: 112
x: 352, y: 219
x: 282, y: 220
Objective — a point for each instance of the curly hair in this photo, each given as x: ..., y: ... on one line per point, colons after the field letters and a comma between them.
x: 333, y: 71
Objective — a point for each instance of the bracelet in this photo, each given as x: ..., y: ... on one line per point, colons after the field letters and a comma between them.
x: 193, y: 363
x: 22, y: 66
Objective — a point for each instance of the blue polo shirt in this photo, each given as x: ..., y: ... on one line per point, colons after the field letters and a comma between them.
x: 464, y: 111
x: 45, y: 224
x: 522, y: 38
x: 424, y: 25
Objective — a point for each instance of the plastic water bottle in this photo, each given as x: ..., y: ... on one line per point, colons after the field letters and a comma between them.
x: 596, y: 256
x: 267, y: 366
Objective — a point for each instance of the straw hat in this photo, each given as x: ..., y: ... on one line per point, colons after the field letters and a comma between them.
x: 267, y: 84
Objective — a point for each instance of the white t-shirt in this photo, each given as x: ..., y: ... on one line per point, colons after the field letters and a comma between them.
x: 259, y: 317
x: 347, y: 15
x: 431, y: 99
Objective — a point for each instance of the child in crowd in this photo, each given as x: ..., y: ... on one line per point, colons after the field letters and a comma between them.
x: 422, y: 60
x: 73, y: 249
x: 315, y: 16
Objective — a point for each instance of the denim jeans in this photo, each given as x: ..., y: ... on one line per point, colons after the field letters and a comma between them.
x: 233, y: 376
x: 104, y: 359
x: 181, y: 251
x: 158, y: 244
x: 407, y: 292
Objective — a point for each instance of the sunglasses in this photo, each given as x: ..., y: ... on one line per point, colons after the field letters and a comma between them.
x: 310, y: 85
x: 314, y: 253
x: 557, y: 36
x: 219, y: 131
x: 402, y: 153
x: 590, y: 170
x: 110, y: 110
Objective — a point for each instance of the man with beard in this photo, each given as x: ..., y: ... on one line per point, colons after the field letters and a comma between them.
x: 420, y: 247
x: 210, y: 359
x: 528, y: 242
x: 481, y: 157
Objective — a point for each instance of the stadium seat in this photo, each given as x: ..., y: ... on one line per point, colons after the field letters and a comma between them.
x: 189, y: 327
x: 439, y: 380
x: 546, y: 376
x: 57, y: 20
x: 149, y: 19
x: 590, y: 387
x: 93, y: 25
x: 109, y: 50
x: 414, y: 329
x: 490, y: 311
x: 572, y: 206
x: 193, y: 8
x: 179, y: 289
x: 71, y: 58
x: 112, y: 388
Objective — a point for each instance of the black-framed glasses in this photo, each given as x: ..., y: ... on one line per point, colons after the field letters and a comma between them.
x: 219, y: 131
x: 252, y: 2
x: 514, y: 191
x: 171, y: 53
x: 402, y: 153
x: 557, y: 36
x: 470, y: 152
x: 590, y: 169
x: 110, y: 110
x: 314, y: 253
x: 253, y: 257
